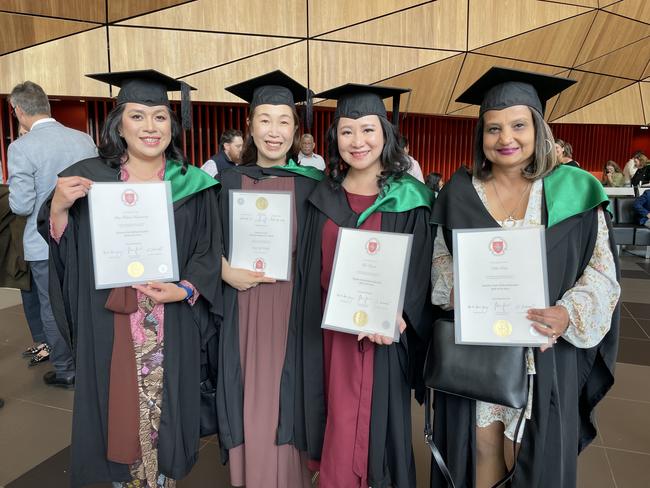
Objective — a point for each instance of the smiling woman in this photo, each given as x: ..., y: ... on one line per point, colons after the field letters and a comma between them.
x: 137, y: 348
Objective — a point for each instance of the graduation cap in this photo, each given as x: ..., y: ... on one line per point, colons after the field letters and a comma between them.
x: 274, y: 88
x: 355, y: 100
x: 148, y: 87
x: 500, y: 88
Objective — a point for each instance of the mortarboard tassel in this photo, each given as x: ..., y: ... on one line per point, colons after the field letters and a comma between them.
x: 186, y: 106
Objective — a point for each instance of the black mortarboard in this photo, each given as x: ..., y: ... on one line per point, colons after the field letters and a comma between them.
x: 355, y: 100
x: 500, y: 88
x: 148, y: 87
x: 274, y: 88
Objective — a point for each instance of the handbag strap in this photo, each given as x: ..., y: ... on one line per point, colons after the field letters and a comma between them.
x: 437, y: 456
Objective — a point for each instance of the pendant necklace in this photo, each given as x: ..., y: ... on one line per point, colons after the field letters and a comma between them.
x: 510, y: 220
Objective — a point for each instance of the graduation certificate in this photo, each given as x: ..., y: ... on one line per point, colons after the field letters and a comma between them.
x: 368, y: 282
x: 498, y: 275
x: 132, y: 233
x: 261, y: 226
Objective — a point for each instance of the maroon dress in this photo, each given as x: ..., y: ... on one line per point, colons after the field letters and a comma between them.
x: 348, y: 367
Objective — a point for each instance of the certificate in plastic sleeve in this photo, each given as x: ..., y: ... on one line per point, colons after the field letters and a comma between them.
x: 368, y: 282
x: 261, y: 226
x: 498, y: 275
x: 132, y: 233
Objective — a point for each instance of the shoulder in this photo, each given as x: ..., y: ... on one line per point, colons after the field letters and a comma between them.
x: 95, y: 169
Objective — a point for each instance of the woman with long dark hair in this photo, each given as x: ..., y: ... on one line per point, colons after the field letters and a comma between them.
x: 357, y: 388
x: 515, y: 182
x: 257, y: 368
x: 138, y: 349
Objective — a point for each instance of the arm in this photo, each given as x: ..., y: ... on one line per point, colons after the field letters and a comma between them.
x: 591, y: 301
x: 22, y: 186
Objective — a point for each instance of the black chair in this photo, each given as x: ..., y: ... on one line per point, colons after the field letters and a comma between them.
x: 625, y: 221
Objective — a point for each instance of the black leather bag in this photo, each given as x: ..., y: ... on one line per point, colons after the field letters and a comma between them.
x: 494, y: 374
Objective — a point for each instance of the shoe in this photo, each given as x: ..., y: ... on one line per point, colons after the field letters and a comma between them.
x: 30, y: 351
x: 51, y: 379
x: 40, y: 357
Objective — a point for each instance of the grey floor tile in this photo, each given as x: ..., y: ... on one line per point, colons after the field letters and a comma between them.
x: 30, y: 434
x: 635, y: 290
x: 593, y: 469
x: 9, y: 297
x: 624, y: 424
x: 631, y: 329
x: 645, y: 325
x: 630, y: 469
x: 638, y: 274
x: 634, y: 351
x: 639, y: 310
x: 632, y: 383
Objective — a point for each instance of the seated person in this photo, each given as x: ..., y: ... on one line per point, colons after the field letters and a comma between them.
x: 642, y: 208
x: 612, y: 175
x: 642, y: 175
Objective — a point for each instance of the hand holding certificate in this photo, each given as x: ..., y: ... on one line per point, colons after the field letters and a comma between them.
x: 260, y: 232
x: 133, y: 234
x: 499, y: 274
x: 368, y: 282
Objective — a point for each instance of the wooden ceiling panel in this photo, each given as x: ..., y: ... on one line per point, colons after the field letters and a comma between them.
x: 431, y: 85
x: 89, y: 10
x: 59, y: 66
x: 577, y: 3
x: 331, y: 64
x: 634, y: 9
x: 131, y: 46
x: 608, y: 33
x: 622, y: 107
x: 20, y: 31
x: 328, y: 15
x: 494, y: 20
x: 439, y: 25
x: 211, y: 84
x: 475, y: 65
x: 588, y: 89
x: 270, y: 17
x: 644, y: 88
x: 627, y: 62
x: 557, y: 43
x: 122, y: 9
x: 467, y: 111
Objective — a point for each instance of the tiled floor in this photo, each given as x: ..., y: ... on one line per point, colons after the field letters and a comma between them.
x: 35, y: 422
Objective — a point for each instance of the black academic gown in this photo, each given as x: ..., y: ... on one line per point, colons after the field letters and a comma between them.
x: 88, y: 326
x: 390, y: 457
x: 569, y: 381
x: 230, y: 388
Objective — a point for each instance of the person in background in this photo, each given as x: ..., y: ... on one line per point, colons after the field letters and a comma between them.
x: 34, y: 160
x: 612, y: 175
x: 642, y: 208
x: 642, y: 174
x: 564, y: 152
x: 415, y: 171
x: 435, y: 182
x: 632, y: 166
x: 307, y: 156
x: 231, y: 143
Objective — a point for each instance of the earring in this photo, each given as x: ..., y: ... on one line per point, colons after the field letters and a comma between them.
x: 550, y: 144
x: 484, y: 164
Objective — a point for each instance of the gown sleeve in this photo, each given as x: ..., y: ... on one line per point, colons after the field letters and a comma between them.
x: 442, y: 273
x: 591, y: 301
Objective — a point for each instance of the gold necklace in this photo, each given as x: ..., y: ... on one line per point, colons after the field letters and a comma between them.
x: 131, y: 172
x: 510, y: 220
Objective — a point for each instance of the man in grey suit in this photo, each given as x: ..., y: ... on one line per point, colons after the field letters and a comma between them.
x: 34, y: 160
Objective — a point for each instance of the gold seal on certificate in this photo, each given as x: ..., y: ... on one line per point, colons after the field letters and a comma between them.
x: 261, y: 232
x: 368, y: 281
x: 135, y: 269
x: 360, y: 318
x: 502, y: 328
x: 499, y: 274
x: 132, y: 233
x: 261, y: 203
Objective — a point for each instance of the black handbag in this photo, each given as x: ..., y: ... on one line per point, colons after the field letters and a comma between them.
x: 493, y: 374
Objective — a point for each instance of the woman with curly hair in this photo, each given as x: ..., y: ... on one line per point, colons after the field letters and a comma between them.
x: 358, y: 388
